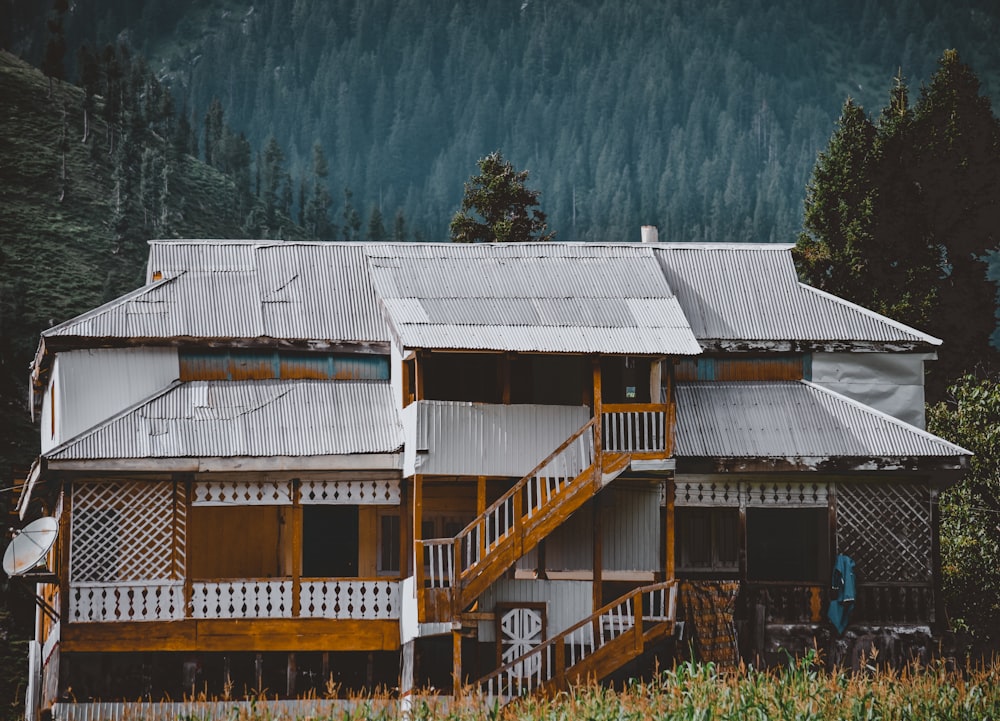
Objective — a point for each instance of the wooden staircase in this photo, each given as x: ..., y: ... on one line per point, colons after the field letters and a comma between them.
x: 592, y: 649
x: 459, y: 569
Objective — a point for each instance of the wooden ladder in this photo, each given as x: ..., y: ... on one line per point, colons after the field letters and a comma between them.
x: 595, y: 647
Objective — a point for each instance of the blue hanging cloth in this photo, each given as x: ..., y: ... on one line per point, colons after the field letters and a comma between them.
x: 841, y: 593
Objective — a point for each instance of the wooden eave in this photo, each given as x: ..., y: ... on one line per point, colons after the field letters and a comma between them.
x: 730, y: 345
x: 49, y: 345
x: 210, y: 464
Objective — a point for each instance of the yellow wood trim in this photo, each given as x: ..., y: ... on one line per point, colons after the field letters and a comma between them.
x: 313, y: 634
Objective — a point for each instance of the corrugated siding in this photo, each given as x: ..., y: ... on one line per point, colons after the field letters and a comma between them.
x: 740, y: 369
x: 529, y: 297
x: 568, y: 602
x: 92, y: 385
x: 751, y: 292
x: 631, y: 528
x: 251, y: 418
x: 486, y: 439
x: 244, y: 289
x: 791, y: 419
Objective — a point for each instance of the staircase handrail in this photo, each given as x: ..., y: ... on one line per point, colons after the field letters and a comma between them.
x: 593, y: 618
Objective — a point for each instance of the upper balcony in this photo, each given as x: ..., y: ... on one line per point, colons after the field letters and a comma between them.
x: 494, y: 414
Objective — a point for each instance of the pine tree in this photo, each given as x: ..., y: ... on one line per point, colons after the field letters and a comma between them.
x: 504, y: 205
x: 376, y: 228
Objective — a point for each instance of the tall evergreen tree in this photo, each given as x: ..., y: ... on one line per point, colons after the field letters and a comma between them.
x: 901, y: 216
x: 504, y: 206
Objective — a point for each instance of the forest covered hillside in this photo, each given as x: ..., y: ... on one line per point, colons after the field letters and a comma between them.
x: 75, y: 215
x: 703, y: 118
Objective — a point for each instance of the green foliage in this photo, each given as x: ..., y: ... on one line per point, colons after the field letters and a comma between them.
x: 970, y: 511
x: 627, y: 113
x: 901, y: 216
x: 505, y: 207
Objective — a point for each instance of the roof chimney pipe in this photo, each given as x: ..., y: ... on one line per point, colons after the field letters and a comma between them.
x: 650, y: 234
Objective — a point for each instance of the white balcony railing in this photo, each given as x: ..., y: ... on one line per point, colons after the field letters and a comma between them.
x: 126, y: 601
x: 335, y: 598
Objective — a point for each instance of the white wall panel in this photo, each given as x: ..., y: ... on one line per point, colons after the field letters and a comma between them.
x: 567, y: 602
x: 90, y: 386
x: 459, y: 438
x: 631, y: 528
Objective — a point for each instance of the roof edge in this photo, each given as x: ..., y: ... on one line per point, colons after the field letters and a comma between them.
x: 920, y: 335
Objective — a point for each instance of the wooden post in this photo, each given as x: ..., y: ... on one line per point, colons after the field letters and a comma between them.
x: 64, y: 543
x: 188, y: 584
x: 418, y: 550
x: 598, y: 551
x: 505, y: 373
x: 296, y: 554
x: 940, y: 612
x: 419, y: 359
x: 258, y: 673
x: 480, y: 510
x: 405, y: 519
x: 291, y: 671
x: 655, y: 376
x: 743, y: 540
x: 456, y: 662
x: 670, y: 529
x: 599, y: 422
x: 406, y: 677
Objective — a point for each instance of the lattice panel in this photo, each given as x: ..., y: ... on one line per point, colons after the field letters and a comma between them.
x: 706, y: 493
x: 349, y: 493
x: 127, y: 531
x: 242, y: 493
x: 886, y: 530
x: 784, y: 494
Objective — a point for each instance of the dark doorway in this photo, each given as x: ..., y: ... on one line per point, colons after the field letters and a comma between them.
x: 787, y: 544
x: 329, y: 541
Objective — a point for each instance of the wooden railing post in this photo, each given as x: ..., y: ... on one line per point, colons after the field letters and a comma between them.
x: 637, y: 620
x: 559, y: 672
x: 518, y: 520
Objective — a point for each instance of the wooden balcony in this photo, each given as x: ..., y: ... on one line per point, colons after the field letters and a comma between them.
x: 242, y: 598
x: 806, y: 603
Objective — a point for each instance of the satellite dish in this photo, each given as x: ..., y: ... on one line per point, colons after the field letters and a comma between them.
x: 29, y: 546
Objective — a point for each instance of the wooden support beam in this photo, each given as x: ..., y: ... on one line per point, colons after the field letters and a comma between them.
x: 406, y: 675
x: 598, y: 551
x: 670, y: 528
x: 291, y: 671
x: 456, y: 661
x: 505, y: 372
x: 64, y: 543
x: 419, y: 360
x: 296, y: 549
x: 258, y: 673
x: 742, y: 539
x: 940, y: 612
x: 595, y: 366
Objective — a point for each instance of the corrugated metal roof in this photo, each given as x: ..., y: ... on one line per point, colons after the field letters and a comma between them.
x: 200, y: 419
x: 530, y: 297
x: 744, y: 291
x: 244, y: 289
x: 795, y: 419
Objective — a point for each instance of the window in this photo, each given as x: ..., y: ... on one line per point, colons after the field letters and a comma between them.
x: 329, y: 541
x: 787, y: 544
x: 707, y: 540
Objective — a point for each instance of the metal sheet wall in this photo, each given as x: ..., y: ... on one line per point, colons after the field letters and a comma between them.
x: 91, y: 386
x: 568, y: 602
x: 631, y: 528
x: 470, y: 439
x: 891, y: 382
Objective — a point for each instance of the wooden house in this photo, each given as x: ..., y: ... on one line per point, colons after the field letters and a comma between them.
x: 312, y: 467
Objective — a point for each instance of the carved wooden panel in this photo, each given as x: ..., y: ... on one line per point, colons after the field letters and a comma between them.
x: 252, y: 598
x: 349, y: 598
x: 750, y: 493
x: 127, y: 531
x: 242, y: 493
x: 519, y: 630
x: 886, y: 529
x: 350, y: 493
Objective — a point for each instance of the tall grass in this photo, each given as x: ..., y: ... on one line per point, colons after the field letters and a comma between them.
x: 801, y: 691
